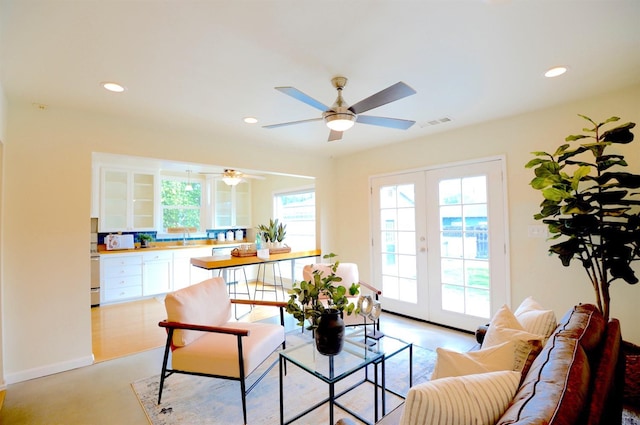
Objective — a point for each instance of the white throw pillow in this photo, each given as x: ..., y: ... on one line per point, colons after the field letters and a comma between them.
x: 524, y: 347
x: 535, y: 319
x: 504, y: 317
x: 462, y: 400
x: 492, y: 359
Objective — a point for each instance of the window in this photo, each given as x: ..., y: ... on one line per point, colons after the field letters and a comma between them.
x: 181, y: 207
x: 297, y: 209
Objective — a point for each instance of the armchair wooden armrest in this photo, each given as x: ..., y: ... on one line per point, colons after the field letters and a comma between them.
x: 203, y: 328
x: 371, y: 288
x: 281, y: 304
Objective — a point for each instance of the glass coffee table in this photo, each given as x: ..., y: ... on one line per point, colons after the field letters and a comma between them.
x: 389, y: 347
x: 332, y: 369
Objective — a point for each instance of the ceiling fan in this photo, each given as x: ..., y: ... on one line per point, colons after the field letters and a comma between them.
x: 233, y: 177
x: 341, y: 117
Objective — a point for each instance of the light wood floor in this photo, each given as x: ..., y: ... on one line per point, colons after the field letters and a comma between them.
x: 127, y: 328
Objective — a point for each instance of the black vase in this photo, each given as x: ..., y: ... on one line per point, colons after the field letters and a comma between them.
x: 329, y: 334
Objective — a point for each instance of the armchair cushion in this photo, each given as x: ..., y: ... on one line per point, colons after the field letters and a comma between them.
x: 217, y: 354
x: 201, y: 304
x: 347, y: 271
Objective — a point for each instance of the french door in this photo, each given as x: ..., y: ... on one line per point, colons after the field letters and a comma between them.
x: 439, y: 242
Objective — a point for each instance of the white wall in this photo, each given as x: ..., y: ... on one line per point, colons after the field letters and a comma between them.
x: 47, y: 174
x: 3, y: 130
x: 533, y: 272
x: 46, y: 216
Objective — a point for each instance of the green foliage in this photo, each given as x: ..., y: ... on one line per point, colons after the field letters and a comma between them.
x: 282, y: 232
x: 591, y: 211
x: 180, y: 208
x: 275, y: 231
x: 305, y: 299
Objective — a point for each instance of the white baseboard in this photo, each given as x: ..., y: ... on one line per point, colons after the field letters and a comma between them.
x: 38, y: 372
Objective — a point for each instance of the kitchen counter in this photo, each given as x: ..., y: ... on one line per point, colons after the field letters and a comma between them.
x: 210, y: 263
x: 163, y: 246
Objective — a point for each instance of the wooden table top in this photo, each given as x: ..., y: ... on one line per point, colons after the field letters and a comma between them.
x: 210, y: 263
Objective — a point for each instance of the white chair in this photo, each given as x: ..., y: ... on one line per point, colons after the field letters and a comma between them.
x: 203, y: 342
x: 349, y: 274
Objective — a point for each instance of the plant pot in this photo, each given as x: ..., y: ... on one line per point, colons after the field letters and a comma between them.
x: 329, y: 334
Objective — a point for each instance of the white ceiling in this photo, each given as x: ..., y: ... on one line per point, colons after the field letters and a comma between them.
x: 208, y: 64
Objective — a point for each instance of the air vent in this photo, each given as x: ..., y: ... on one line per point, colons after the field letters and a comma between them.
x: 435, y: 122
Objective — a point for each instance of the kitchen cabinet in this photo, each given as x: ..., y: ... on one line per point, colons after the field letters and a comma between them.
x: 127, y: 200
x: 121, y: 277
x: 157, y: 272
x: 184, y: 274
x: 232, y: 207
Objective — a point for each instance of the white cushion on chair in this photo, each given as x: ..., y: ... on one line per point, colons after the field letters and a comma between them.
x: 347, y: 271
x: 206, y: 303
x: 217, y: 354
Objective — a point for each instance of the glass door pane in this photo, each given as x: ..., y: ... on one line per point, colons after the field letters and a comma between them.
x: 396, y: 239
x: 468, y: 269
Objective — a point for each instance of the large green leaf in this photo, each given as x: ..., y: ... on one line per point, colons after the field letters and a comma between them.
x: 623, y: 179
x: 566, y: 250
x: 621, y: 134
x: 554, y: 194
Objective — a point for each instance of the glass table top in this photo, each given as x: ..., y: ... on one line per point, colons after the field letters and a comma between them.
x: 354, y: 356
x: 387, y: 345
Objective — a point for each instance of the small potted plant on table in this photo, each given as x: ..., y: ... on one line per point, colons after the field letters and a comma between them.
x: 321, y: 303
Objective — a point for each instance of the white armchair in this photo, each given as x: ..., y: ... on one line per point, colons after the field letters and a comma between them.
x: 203, y: 342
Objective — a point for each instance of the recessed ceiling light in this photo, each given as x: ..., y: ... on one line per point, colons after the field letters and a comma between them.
x: 555, y: 71
x: 114, y: 87
x: 250, y: 120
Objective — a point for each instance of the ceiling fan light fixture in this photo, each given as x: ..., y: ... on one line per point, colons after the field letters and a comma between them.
x: 231, y: 177
x: 339, y: 121
x: 231, y: 181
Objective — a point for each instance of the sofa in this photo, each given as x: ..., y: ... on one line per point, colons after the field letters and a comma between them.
x: 576, y: 377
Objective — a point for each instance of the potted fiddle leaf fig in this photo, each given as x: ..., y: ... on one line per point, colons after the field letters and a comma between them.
x: 591, y: 208
x: 320, y: 302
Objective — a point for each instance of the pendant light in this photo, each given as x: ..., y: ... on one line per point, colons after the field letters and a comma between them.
x: 188, y: 187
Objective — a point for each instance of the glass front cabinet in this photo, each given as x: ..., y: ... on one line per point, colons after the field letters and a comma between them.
x: 232, y: 205
x: 127, y: 200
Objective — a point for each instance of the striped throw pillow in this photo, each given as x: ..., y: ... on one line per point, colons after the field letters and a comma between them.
x: 462, y: 400
x: 535, y: 319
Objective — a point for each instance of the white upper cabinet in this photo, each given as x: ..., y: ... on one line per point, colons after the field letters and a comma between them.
x: 127, y: 200
x: 232, y: 205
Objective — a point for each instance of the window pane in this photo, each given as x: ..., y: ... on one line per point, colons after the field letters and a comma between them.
x: 406, y: 196
x: 474, y: 190
x: 297, y: 210
x: 181, y: 207
x: 388, y: 197
x: 450, y: 192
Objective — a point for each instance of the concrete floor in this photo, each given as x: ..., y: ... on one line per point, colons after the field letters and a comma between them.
x: 102, y: 394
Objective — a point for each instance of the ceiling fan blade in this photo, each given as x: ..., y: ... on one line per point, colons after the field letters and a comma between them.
x: 291, y: 123
x: 251, y: 176
x: 392, y: 93
x: 335, y: 136
x: 297, y: 94
x: 385, y: 122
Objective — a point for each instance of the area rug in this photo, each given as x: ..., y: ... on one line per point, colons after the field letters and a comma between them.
x: 198, y: 400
